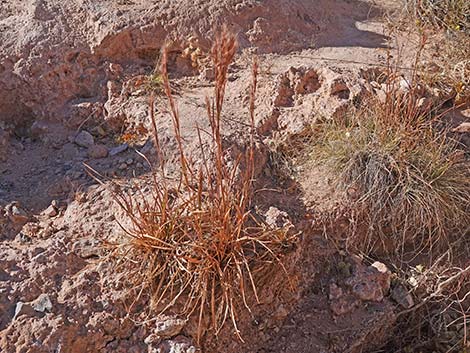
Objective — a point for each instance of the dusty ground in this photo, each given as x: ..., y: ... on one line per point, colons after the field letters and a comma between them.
x: 70, y: 94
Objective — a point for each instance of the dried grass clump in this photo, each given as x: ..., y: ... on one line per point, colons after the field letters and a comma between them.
x: 412, y: 183
x: 449, y: 74
x: 453, y: 15
x: 195, y: 244
x: 446, y: 26
x: 440, y: 319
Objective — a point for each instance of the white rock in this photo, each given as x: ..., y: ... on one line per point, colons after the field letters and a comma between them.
x: 178, y: 345
x: 42, y: 303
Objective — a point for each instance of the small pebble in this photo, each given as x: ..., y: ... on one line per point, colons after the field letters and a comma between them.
x: 98, y: 151
x: 84, y: 139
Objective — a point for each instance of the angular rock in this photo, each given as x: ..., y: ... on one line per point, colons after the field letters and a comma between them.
x: 335, y: 291
x: 167, y: 327
x: 277, y: 218
x: 207, y: 74
x: 385, y: 276
x: 152, y: 339
x: 28, y: 231
x: 87, y: 248
x: 113, y: 89
x: 339, y: 88
x: 115, y: 69
x: 38, y: 129
x: 81, y: 112
x: 51, y: 211
x: 42, y: 303
x: 343, y: 305
x: 148, y: 146
x: 23, y: 309
x: 370, y: 283
x: 16, y: 214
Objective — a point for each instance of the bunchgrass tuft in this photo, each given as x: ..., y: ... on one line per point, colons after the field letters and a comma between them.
x: 411, y: 182
x: 195, y: 244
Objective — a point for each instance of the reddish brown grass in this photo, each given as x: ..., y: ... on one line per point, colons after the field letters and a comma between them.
x: 195, y: 244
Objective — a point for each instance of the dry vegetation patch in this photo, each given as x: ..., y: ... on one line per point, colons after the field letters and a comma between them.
x: 195, y: 245
x: 446, y: 26
x: 452, y: 15
x: 409, y: 179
